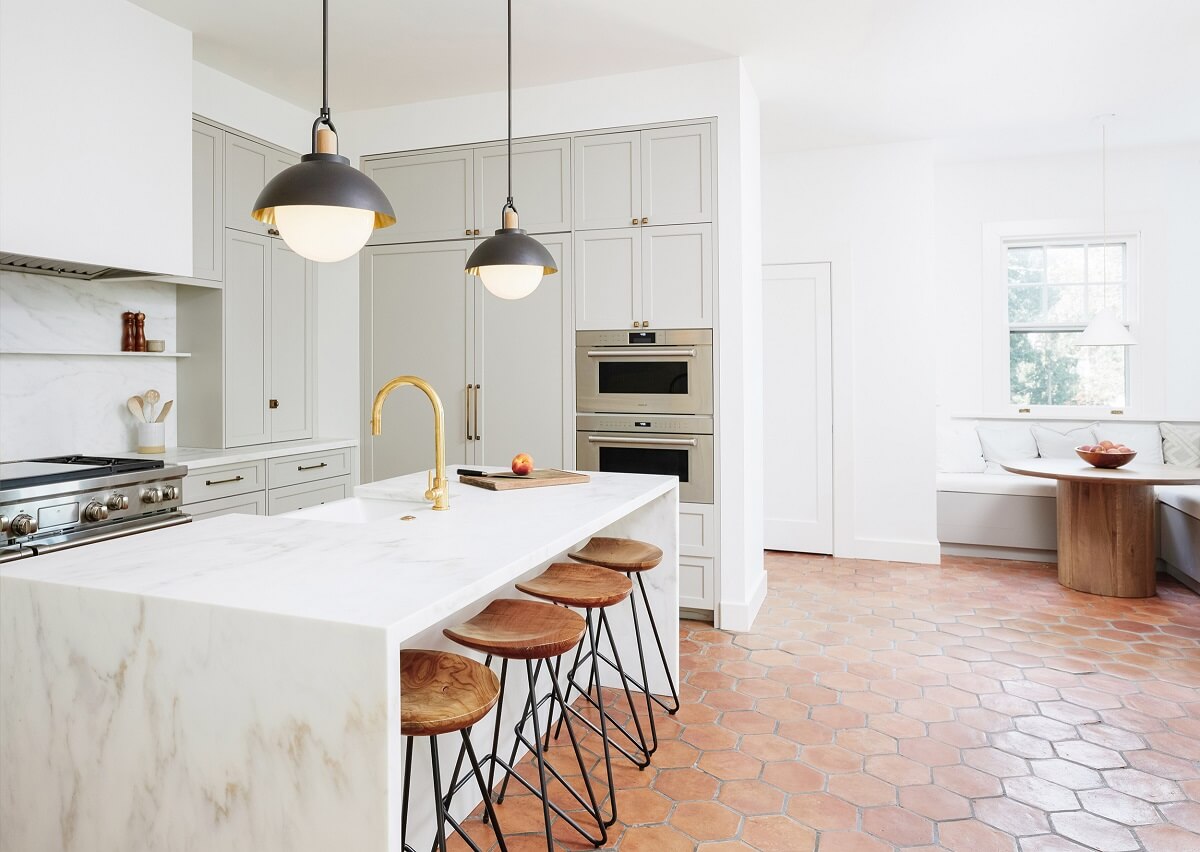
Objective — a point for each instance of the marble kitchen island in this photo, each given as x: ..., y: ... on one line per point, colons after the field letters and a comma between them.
x: 233, y: 684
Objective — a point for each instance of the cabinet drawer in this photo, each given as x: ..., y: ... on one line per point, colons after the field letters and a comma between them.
x: 697, y: 529
x: 696, y: 583
x: 305, y: 494
x: 224, y: 481
x: 241, y: 504
x: 310, y: 467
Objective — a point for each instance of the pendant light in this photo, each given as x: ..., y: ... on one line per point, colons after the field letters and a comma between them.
x: 1105, y: 329
x: 510, y: 264
x: 324, y: 208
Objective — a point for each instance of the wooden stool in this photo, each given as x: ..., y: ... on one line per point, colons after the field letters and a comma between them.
x: 441, y: 693
x: 588, y: 587
x: 632, y: 557
x: 531, y: 631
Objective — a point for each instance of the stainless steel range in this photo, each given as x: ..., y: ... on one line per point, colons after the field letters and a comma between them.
x: 66, y: 501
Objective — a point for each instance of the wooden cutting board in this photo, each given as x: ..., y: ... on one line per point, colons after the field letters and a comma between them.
x: 535, y: 479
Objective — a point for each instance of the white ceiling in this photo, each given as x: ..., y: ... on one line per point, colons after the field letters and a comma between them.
x: 989, y: 75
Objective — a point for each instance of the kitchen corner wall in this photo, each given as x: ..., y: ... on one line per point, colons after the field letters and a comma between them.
x: 54, y: 404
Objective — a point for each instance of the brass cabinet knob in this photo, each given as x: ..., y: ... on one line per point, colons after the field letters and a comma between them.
x: 476, y: 232
x: 272, y: 404
x: 635, y: 221
x: 467, y: 232
x: 637, y: 324
x: 645, y: 323
x: 645, y: 220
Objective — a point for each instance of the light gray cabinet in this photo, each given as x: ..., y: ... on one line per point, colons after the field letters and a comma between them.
x: 658, y: 277
x: 541, y: 180
x: 247, y: 344
x: 249, y: 164
x: 208, y: 191
x: 658, y: 176
x: 291, y: 309
x: 431, y: 195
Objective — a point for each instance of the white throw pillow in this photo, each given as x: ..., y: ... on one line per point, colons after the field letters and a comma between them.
x: 1007, y: 442
x: 1053, y: 444
x: 1144, y: 438
x: 1181, y: 444
x: 958, y: 449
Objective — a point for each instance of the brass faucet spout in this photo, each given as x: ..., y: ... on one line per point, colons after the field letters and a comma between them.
x: 439, y: 490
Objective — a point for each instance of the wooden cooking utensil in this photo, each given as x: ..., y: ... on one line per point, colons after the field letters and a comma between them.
x: 152, y: 397
x: 166, y: 409
x: 135, y: 408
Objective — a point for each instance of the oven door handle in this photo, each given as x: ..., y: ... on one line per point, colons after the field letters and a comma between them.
x: 644, y: 353
x: 120, y: 532
x: 664, y: 442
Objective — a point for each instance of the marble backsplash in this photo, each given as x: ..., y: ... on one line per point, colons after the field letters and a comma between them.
x: 52, y: 404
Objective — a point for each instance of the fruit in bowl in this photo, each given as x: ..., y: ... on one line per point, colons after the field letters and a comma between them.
x: 522, y: 464
x: 1106, y: 454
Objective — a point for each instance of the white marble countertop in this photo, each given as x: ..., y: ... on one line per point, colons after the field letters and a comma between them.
x: 198, y: 458
x: 399, y: 575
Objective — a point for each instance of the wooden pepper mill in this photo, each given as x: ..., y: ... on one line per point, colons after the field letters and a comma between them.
x: 129, y: 333
x: 139, y: 332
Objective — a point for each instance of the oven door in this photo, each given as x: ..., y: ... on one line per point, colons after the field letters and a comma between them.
x: 633, y: 379
x: 690, y: 457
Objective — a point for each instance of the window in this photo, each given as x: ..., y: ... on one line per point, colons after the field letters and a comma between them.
x: 1054, y: 289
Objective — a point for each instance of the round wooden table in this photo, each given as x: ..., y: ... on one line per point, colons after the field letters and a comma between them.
x: 1106, y: 522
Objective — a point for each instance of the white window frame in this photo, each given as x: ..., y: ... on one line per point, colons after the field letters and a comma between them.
x: 997, y: 239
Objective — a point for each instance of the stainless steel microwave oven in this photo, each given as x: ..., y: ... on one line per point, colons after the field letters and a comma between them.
x: 668, y: 371
x: 669, y: 445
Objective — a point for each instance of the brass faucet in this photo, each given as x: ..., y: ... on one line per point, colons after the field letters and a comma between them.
x: 439, y: 489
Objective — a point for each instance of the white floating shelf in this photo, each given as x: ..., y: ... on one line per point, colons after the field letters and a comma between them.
x: 78, y: 353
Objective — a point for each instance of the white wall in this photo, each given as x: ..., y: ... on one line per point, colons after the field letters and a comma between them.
x: 1155, y: 190
x: 694, y: 91
x: 869, y: 212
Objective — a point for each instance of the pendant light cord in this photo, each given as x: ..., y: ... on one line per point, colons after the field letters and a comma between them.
x: 509, y: 204
x: 324, y: 118
x: 1104, y: 210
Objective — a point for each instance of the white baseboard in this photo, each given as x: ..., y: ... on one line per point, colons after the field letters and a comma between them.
x: 988, y: 551
x: 738, y: 616
x: 924, y: 552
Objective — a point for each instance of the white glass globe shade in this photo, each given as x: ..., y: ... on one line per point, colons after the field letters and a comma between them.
x: 510, y: 281
x: 324, y: 234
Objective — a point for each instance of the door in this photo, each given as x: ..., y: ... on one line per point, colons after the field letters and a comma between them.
x: 248, y: 167
x: 608, y: 182
x: 431, y: 195
x: 677, y: 277
x: 291, y: 309
x: 541, y: 175
x: 798, y: 408
x: 608, y: 279
x: 416, y: 305
x: 523, y: 358
x: 247, y: 343
x: 677, y: 175
x: 208, y: 191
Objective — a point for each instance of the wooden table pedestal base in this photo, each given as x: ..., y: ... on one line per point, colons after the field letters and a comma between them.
x: 1106, y: 538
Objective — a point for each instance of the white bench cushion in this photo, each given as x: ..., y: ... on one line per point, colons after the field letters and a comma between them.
x: 1185, y: 498
x: 996, y: 483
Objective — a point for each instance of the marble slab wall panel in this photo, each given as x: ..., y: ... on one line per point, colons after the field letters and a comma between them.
x: 138, y: 723
x: 58, y: 404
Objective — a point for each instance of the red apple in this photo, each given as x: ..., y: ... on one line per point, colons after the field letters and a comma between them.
x: 522, y: 464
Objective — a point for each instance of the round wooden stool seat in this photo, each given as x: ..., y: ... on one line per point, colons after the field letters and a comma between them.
x: 619, y: 554
x: 583, y: 586
x: 520, y: 630
x: 442, y: 692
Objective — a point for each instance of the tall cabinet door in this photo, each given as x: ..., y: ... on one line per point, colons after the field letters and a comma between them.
x: 677, y: 175
x: 416, y: 305
x: 523, y: 354
x: 608, y: 273
x: 247, y: 338
x: 291, y: 304
x: 431, y: 195
x: 541, y: 175
x: 208, y: 192
x: 248, y: 167
x: 677, y: 277
x: 608, y: 183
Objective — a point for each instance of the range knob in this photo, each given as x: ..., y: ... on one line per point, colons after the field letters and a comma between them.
x: 95, y: 512
x: 170, y: 492
x: 117, y: 502
x: 3, y: 523
x: 151, y: 495
x: 24, y: 525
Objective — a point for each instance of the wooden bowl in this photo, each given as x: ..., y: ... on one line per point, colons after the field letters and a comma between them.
x: 1105, y: 460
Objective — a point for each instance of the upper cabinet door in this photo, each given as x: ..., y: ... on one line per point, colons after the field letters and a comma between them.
x: 608, y: 181
x: 430, y: 194
x: 292, y: 297
x: 248, y: 167
x: 208, y: 190
x: 677, y: 175
x: 541, y: 177
x: 677, y: 276
x: 247, y: 338
x: 608, y: 273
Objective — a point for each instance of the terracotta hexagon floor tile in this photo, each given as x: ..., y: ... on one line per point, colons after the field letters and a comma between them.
x: 1050, y: 843
x: 1068, y: 774
x: 641, y: 807
x: 995, y: 762
x: 792, y: 776
x: 1089, y: 754
x: 683, y: 785
x: 728, y: 699
x: 1168, y: 838
x: 844, y: 841
x: 748, y: 722
x: 705, y: 820
x: 1045, y: 728
x: 831, y: 758
x: 1119, y: 807
x: 967, y: 781
x: 657, y: 838
x: 1142, y: 785
x: 865, y: 741
x: 838, y: 716
x: 935, y: 802
x: 957, y: 734
x: 1021, y: 744
x: 823, y: 811
x: 862, y: 790
x: 1065, y: 711
x: 730, y: 765
x: 751, y: 797
x: 898, y: 770
x: 969, y: 835
x: 896, y: 725
x: 778, y: 834
x: 767, y: 747
x: 1040, y: 793
x: 1011, y: 816
x: 709, y: 737
x: 1093, y: 832
x: 897, y: 826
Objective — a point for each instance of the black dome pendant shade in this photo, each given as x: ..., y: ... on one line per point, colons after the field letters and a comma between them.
x: 511, y: 246
x: 323, y: 178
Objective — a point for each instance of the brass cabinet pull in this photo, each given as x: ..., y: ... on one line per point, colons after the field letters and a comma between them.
x: 467, y: 232
x: 274, y: 232
x: 312, y: 466
x: 645, y: 323
x: 223, y: 481
x: 637, y: 324
x: 476, y: 232
x: 469, y: 386
x: 635, y: 220
x: 478, y: 388
x: 272, y: 404
x: 645, y: 220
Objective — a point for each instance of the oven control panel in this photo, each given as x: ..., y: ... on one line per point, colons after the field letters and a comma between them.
x: 41, y: 516
x: 667, y: 423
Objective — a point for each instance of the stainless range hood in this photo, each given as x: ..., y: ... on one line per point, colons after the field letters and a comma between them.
x: 65, y: 268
